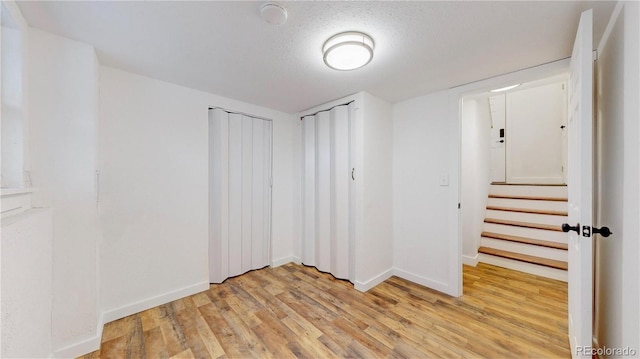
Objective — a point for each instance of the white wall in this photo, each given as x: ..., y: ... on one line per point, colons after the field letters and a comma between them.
x: 617, y: 290
x: 374, y: 244
x: 26, y: 284
x: 423, y: 229
x: 154, y: 189
x: 534, y: 115
x: 475, y: 172
x: 12, y: 105
x: 62, y: 120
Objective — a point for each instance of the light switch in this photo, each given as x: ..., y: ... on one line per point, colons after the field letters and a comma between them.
x: 444, y: 180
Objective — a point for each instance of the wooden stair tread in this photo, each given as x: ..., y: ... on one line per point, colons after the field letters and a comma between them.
x: 527, y: 210
x: 552, y: 263
x: 507, y: 222
x: 534, y: 198
x: 536, y: 242
x: 529, y: 184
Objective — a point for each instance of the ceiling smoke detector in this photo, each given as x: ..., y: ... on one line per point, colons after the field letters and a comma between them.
x: 273, y: 13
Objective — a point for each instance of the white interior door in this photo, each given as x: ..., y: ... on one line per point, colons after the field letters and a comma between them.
x: 580, y: 188
x: 498, y: 121
x: 327, y: 218
x: 534, y: 136
x: 240, y: 194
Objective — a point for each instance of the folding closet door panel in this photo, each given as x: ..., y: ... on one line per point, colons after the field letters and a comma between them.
x: 219, y: 195
x: 352, y: 191
x: 235, y: 195
x: 240, y: 194
x: 259, y: 195
x: 323, y: 191
x: 247, y: 191
x: 309, y: 191
x: 340, y: 182
x: 326, y: 191
x: 264, y: 251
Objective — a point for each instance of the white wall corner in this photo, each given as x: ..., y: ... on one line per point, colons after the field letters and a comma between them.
x: 427, y: 282
x: 470, y: 260
x: 80, y: 348
x: 139, y: 306
x: 92, y: 343
x: 285, y: 260
x: 365, y: 286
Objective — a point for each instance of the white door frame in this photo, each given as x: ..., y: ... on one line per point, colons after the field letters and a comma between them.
x: 455, y: 114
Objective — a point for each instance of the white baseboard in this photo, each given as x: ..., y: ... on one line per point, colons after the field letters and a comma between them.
x: 80, y: 348
x: 433, y: 284
x: 93, y: 343
x: 470, y: 260
x: 139, y: 306
x: 285, y: 260
x: 365, y: 286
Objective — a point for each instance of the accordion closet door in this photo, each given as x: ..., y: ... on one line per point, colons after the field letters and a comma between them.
x: 239, y: 194
x: 327, y: 198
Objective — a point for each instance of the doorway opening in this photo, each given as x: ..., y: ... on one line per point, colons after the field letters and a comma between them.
x: 513, y: 177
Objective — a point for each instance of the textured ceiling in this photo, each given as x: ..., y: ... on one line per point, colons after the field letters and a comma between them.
x: 226, y: 49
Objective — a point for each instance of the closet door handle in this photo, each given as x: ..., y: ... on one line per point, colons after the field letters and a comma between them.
x: 352, y: 177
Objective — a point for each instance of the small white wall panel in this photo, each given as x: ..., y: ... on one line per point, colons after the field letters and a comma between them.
x: 498, y: 120
x: 240, y: 194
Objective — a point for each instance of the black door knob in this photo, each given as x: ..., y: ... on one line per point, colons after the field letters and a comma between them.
x: 566, y: 228
x: 604, y: 231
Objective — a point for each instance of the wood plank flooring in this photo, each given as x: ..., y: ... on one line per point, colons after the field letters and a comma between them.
x: 295, y: 311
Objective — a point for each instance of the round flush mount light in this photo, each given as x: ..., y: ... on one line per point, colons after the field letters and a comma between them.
x: 348, y: 50
x: 273, y: 13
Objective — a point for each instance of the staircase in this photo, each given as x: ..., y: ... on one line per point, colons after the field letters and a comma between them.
x: 522, y: 229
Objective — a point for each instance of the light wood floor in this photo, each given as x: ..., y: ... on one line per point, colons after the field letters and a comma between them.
x: 296, y: 311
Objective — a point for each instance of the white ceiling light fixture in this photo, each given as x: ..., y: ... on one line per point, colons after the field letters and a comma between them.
x: 273, y: 13
x: 506, y: 88
x: 348, y: 50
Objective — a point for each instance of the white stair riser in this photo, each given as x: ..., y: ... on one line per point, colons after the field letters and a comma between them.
x: 527, y: 217
x: 522, y: 248
x: 542, y: 234
x: 528, y: 204
x: 535, y: 269
x: 541, y: 191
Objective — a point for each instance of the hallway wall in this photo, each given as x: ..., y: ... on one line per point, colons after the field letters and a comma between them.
x: 474, y: 172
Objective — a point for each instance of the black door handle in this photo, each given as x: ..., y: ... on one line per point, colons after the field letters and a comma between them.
x: 604, y: 231
x: 566, y: 228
